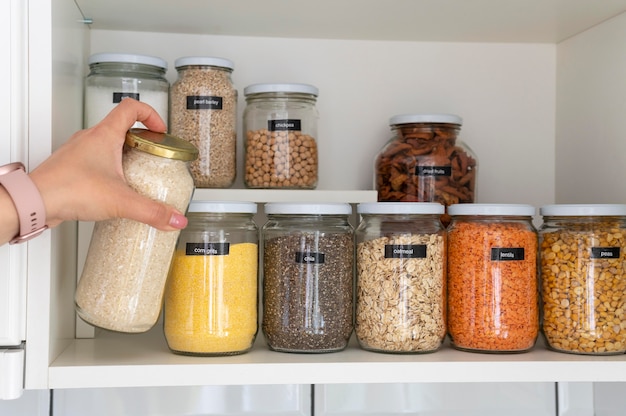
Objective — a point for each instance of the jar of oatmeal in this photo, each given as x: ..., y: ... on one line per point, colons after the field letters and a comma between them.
x: 280, y: 121
x: 425, y: 162
x: 203, y: 110
x: 401, y: 273
x: 493, y: 303
x: 583, y: 253
x: 308, y: 260
x: 121, y: 287
x: 115, y: 76
x: 211, y: 293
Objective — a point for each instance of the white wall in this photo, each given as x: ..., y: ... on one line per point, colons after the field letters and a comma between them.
x: 591, y: 114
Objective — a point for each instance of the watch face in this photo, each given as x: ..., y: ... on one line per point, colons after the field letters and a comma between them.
x: 4, y: 169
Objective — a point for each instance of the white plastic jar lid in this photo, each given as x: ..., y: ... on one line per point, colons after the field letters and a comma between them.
x: 223, y: 206
x: 204, y: 61
x: 517, y: 210
x: 425, y: 118
x: 400, y: 208
x: 296, y: 88
x: 127, y: 58
x: 580, y: 210
x: 308, y: 209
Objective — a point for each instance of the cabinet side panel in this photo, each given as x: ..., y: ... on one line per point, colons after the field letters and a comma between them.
x: 591, y: 105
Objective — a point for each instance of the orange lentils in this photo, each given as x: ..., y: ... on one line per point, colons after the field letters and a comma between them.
x: 493, y: 303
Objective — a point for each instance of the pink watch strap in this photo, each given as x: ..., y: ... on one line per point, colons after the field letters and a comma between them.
x: 27, y: 200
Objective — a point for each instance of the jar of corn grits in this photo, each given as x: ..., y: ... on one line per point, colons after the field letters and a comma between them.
x: 211, y: 293
x: 425, y: 162
x: 121, y: 287
x: 308, y: 277
x: 203, y: 110
x: 583, y: 253
x: 493, y: 303
x: 115, y: 76
x: 280, y: 121
x: 401, y: 273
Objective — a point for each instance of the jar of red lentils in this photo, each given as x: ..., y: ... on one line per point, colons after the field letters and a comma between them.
x: 211, y: 292
x: 583, y: 253
x: 280, y: 123
x: 401, y: 276
x: 493, y: 303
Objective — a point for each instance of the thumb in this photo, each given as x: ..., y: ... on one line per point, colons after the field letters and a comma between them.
x: 156, y: 214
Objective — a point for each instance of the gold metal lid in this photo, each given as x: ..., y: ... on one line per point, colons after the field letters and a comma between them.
x: 161, y: 144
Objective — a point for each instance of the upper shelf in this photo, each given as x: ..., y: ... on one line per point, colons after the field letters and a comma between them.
x: 527, y: 21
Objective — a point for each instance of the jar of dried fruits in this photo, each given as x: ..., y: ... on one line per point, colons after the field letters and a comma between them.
x: 211, y: 293
x: 280, y: 121
x: 122, y: 283
x: 424, y: 161
x: 493, y: 303
x: 308, y: 277
x: 203, y: 110
x: 401, y: 273
x: 583, y: 253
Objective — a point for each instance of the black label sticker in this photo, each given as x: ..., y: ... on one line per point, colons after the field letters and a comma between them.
x: 204, y: 102
x: 605, y: 252
x: 207, y: 249
x: 118, y: 96
x: 433, y: 170
x: 507, y: 254
x: 405, y: 251
x: 288, y: 124
x: 308, y: 257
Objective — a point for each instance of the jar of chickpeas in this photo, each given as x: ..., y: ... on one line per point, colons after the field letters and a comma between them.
x: 583, y: 253
x: 280, y: 122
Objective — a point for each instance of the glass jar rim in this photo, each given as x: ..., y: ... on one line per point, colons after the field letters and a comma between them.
x: 514, y: 210
x: 278, y: 88
x: 400, y: 208
x: 204, y: 61
x: 106, y: 57
x: 425, y: 118
x: 332, y: 208
x: 579, y: 210
x: 232, y: 207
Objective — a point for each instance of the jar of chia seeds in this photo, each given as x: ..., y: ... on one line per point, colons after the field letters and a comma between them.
x: 308, y: 276
x: 281, y: 143
x: 401, y: 274
x: 493, y: 303
x: 211, y: 293
x: 583, y: 275
x: 115, y: 76
x: 122, y: 283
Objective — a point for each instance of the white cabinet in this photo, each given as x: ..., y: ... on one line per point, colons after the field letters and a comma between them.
x: 538, y: 83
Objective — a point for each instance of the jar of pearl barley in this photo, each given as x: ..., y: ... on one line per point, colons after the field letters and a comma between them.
x: 280, y: 121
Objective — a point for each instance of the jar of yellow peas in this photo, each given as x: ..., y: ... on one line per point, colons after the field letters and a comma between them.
x: 211, y: 293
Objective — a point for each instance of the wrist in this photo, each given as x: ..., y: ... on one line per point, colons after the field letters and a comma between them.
x: 26, y: 199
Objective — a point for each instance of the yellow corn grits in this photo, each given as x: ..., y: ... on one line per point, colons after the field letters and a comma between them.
x: 211, y: 302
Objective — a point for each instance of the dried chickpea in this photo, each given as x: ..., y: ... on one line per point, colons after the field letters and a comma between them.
x: 280, y: 121
x: 583, y: 273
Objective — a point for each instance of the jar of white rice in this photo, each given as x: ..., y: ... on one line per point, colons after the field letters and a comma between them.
x: 122, y: 284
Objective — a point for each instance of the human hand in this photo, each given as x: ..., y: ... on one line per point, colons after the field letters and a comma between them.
x: 83, y: 179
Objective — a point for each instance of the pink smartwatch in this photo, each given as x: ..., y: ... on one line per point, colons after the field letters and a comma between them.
x: 27, y: 200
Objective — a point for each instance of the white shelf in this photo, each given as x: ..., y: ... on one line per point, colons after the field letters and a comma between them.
x: 119, y: 360
x: 549, y: 21
x: 285, y: 195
